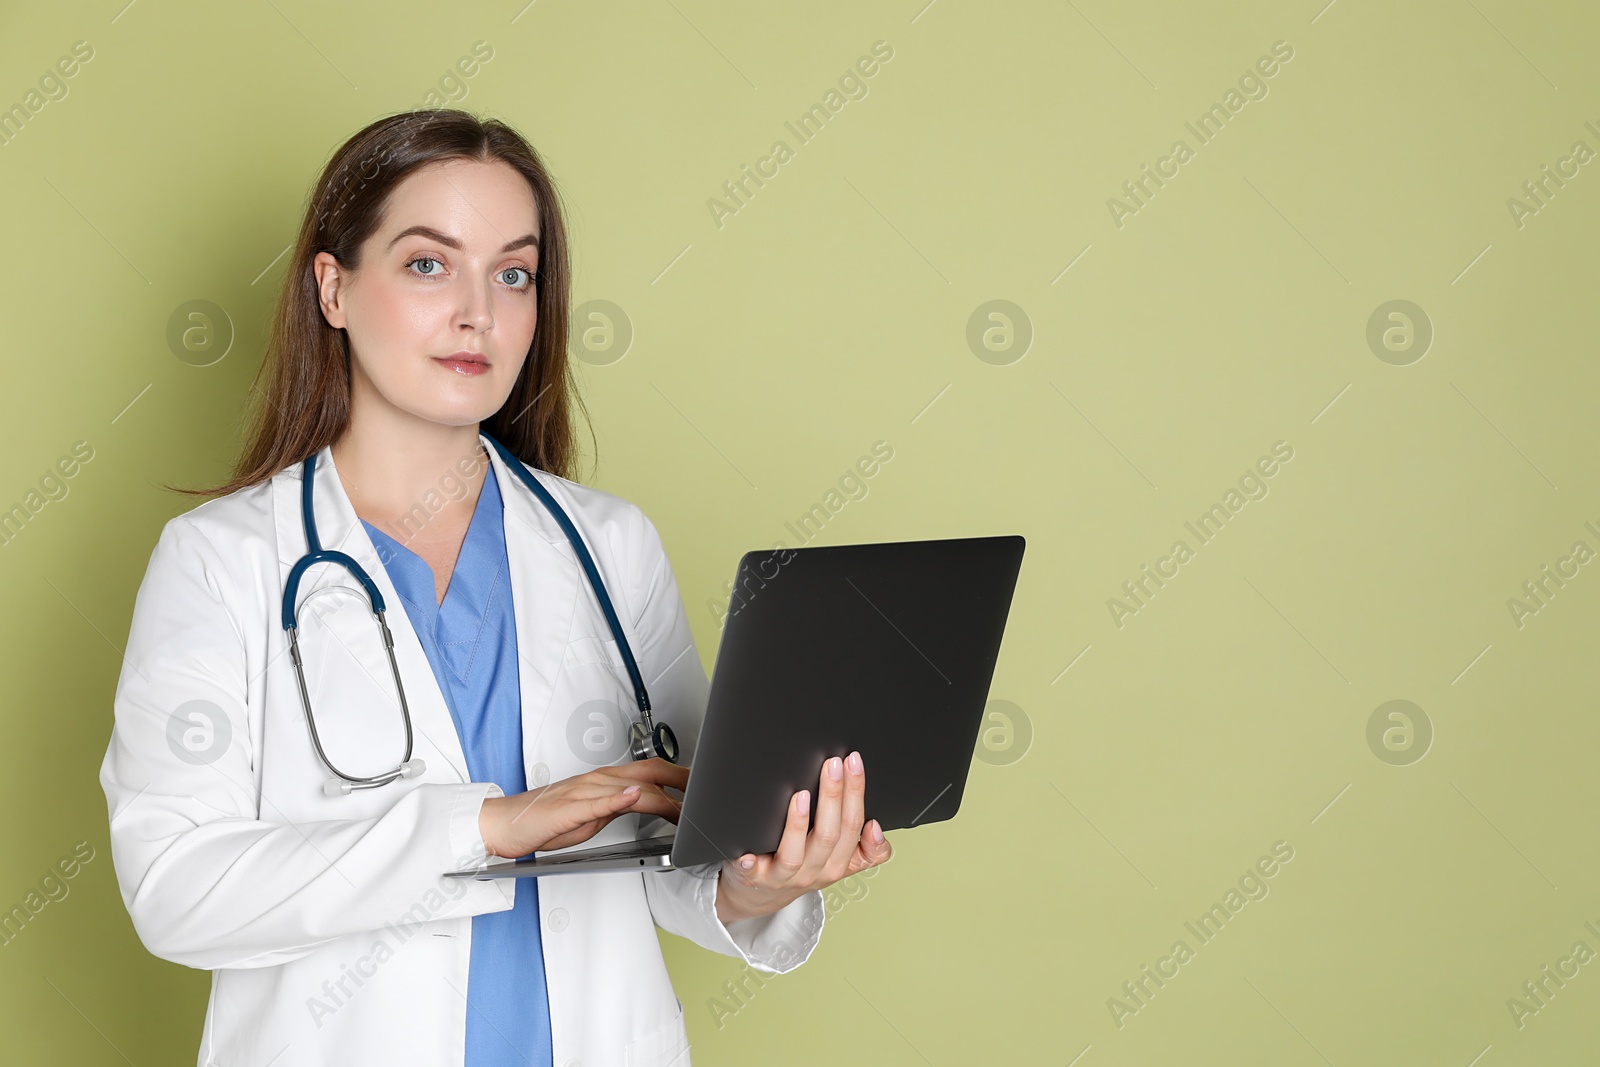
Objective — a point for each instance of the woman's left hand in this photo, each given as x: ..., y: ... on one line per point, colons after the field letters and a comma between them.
x: 835, y: 848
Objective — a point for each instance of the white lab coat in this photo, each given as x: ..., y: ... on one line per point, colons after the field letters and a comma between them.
x: 330, y: 934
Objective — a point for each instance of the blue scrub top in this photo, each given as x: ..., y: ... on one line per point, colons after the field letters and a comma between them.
x: 471, y: 642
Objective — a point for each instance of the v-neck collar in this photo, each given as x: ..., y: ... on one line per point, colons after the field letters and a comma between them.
x: 539, y: 559
x: 456, y: 626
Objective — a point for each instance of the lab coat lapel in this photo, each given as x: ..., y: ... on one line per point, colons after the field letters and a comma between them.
x: 338, y: 527
x: 546, y: 587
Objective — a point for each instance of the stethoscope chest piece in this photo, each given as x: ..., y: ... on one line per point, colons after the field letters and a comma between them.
x: 644, y: 742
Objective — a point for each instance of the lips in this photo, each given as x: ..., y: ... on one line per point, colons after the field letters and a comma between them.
x: 470, y: 363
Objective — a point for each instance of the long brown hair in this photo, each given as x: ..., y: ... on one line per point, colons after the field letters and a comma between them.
x: 305, y: 404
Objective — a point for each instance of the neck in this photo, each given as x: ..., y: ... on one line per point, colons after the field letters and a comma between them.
x: 401, y: 472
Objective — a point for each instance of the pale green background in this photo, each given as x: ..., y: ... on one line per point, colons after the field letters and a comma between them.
x: 827, y: 315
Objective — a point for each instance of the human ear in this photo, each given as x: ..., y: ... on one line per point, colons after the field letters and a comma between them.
x: 330, y: 280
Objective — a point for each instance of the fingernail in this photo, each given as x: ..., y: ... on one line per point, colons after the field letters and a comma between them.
x: 877, y: 831
x: 803, y: 805
x: 747, y: 862
x: 835, y: 768
x: 855, y: 763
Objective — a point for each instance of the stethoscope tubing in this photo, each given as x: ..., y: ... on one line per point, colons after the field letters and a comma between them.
x: 644, y: 735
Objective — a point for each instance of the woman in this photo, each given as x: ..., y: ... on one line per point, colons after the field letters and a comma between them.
x: 424, y: 313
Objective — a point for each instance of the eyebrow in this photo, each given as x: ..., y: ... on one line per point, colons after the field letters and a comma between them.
x: 445, y: 239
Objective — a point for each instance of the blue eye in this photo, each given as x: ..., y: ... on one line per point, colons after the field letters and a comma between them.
x: 507, y: 276
x: 425, y: 259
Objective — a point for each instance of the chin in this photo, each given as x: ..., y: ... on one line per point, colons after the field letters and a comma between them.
x: 456, y: 407
x: 474, y: 417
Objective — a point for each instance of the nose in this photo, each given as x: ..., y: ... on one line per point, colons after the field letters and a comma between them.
x: 476, y: 308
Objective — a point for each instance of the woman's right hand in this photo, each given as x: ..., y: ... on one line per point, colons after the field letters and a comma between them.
x: 575, y: 809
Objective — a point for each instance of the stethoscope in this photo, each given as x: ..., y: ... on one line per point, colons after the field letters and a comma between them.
x: 645, y: 738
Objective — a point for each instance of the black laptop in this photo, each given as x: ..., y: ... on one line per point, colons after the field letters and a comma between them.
x: 887, y: 649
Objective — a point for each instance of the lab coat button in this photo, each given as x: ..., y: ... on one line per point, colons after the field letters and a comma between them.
x: 558, y: 919
x: 541, y: 776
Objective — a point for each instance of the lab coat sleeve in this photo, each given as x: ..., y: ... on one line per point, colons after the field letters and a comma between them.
x: 683, y: 901
x: 210, y: 876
